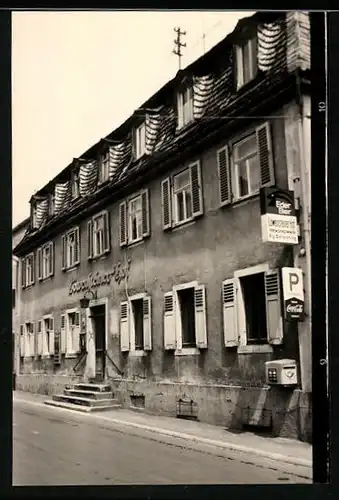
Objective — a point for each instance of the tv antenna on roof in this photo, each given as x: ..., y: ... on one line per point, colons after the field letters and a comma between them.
x: 179, y: 44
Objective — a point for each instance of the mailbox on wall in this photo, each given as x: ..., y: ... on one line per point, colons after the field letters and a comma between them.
x: 281, y: 372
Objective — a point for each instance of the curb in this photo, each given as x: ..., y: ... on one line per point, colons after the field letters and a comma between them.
x: 190, y: 437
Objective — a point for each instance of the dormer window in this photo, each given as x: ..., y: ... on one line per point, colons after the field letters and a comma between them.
x: 75, y: 185
x: 34, y: 223
x: 140, y: 140
x: 51, y: 206
x: 246, y: 61
x: 103, y: 167
x: 185, y: 106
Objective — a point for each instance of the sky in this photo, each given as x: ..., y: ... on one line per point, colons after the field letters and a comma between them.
x: 76, y: 76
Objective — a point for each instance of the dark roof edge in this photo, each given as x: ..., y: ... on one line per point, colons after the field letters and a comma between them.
x: 121, y: 129
x: 21, y: 224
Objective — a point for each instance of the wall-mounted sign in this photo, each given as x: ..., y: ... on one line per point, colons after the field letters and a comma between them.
x: 278, y: 217
x: 293, y: 293
x: 94, y: 280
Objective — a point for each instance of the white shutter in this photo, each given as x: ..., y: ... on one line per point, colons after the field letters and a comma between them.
x: 63, y: 334
x: 51, y: 256
x: 39, y: 349
x: 223, y: 162
x: 124, y: 327
x: 169, y: 321
x: 76, y: 334
x: 51, y: 336
x: 264, y: 145
x: 32, y: 342
x: 166, y: 204
x: 45, y: 346
x: 200, y: 316
x: 123, y: 223
x: 273, y: 307
x: 22, y: 341
x: 231, y: 336
x: 147, y: 323
x: 196, y: 188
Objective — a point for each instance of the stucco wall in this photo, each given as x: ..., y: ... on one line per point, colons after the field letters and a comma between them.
x: 208, y: 250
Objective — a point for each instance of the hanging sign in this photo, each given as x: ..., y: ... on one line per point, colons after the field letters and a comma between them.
x: 278, y: 217
x: 293, y: 293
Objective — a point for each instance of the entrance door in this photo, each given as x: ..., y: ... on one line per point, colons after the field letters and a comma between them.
x: 99, y: 330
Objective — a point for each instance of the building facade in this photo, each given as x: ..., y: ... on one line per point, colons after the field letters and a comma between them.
x: 18, y: 233
x: 145, y: 264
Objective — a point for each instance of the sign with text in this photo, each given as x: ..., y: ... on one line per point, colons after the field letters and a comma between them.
x: 278, y: 217
x: 293, y: 293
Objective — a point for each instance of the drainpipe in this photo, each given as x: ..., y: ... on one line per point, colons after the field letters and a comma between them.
x: 17, y: 316
x: 304, y: 328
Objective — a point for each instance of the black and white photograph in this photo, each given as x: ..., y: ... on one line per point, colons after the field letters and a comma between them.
x: 161, y: 247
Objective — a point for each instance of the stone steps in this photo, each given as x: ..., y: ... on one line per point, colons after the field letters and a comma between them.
x: 86, y: 397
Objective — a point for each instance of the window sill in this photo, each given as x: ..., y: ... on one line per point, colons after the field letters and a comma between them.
x: 186, y: 223
x: 239, y: 201
x: 45, y: 356
x: 184, y: 128
x: 250, y: 349
x: 99, y: 257
x: 187, y: 351
x: 47, y: 278
x: 71, y: 268
x: 103, y: 183
x: 138, y: 354
x: 135, y: 243
x: 71, y: 355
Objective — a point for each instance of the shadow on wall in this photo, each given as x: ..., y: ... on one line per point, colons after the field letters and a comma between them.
x: 276, y: 412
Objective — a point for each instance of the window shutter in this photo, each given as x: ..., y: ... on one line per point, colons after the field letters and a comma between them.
x: 273, y: 307
x: 33, y: 268
x: 145, y: 213
x: 200, y: 316
x: 39, y: 264
x: 123, y: 223
x: 166, y: 203
x: 196, y: 187
x: 77, y: 245
x: 22, y: 341
x: 264, y: 144
x: 169, y: 321
x: 63, y: 333
x: 39, y: 338
x: 107, y: 231
x: 124, y: 326
x: 52, y: 259
x: 23, y: 273
x: 51, y: 336
x: 63, y: 257
x: 76, y: 333
x: 147, y: 323
x: 223, y: 161
x: 231, y: 336
x: 90, y: 239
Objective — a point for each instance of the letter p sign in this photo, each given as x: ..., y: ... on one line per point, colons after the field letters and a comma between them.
x: 292, y: 278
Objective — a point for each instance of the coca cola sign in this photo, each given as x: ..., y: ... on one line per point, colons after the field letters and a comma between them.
x: 294, y: 309
x: 293, y: 291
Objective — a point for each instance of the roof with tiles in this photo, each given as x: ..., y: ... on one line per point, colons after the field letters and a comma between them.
x: 282, y: 43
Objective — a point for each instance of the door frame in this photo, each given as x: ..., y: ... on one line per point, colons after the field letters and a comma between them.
x: 94, y: 303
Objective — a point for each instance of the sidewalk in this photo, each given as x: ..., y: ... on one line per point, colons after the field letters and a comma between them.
x: 281, y: 449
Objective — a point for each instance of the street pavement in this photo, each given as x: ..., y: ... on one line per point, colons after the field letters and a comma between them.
x: 53, y: 446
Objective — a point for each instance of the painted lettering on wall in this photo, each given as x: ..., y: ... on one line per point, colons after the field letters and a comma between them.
x: 119, y: 272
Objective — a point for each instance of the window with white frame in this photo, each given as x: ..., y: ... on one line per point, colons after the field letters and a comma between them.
x: 134, y: 218
x: 136, y: 324
x: 185, y: 318
x: 185, y: 106
x: 98, y: 235
x: 29, y: 344
x: 27, y: 270
x: 46, y: 261
x: 75, y: 183
x: 48, y: 336
x: 34, y: 214
x: 252, y: 165
x: 73, y: 332
x: 70, y: 248
x: 252, y: 313
x: 104, y: 167
x: 182, y: 197
x: 246, y: 61
x: 140, y: 140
